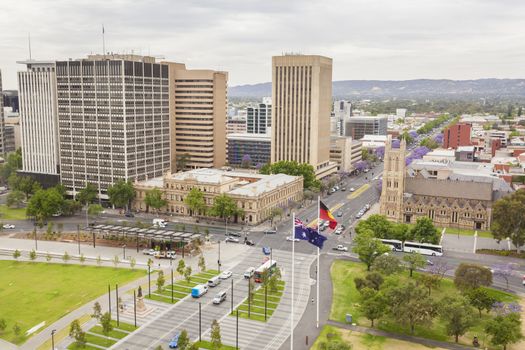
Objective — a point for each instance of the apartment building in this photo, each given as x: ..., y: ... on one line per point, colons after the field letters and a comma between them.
x: 236, y: 125
x: 2, y: 150
x: 358, y: 127
x: 302, y: 98
x: 199, y: 121
x: 259, y: 118
x: 457, y: 135
x: 255, y: 147
x: 39, y: 121
x: 113, y: 120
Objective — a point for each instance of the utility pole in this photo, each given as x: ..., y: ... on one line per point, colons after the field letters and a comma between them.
x: 200, y: 332
x: 135, y: 307
x: 118, y: 306
x: 232, y: 298
x: 109, y: 297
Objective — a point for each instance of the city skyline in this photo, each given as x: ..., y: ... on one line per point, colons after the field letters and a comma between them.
x: 406, y: 40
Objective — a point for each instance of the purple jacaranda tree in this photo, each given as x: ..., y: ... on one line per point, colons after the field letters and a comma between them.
x: 361, y: 165
x: 439, y: 139
x: 417, y: 153
x: 503, y: 271
x: 246, y: 161
x: 258, y: 166
x: 413, y: 134
x: 380, y: 152
x: 502, y: 309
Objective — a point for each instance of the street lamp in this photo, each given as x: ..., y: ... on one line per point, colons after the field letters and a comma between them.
x: 219, y: 259
x: 124, y: 252
x: 53, y: 339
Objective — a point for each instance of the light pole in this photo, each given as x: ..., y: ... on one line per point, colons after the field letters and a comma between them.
x: 53, y: 339
x: 124, y: 252
x: 219, y: 259
x: 78, y: 238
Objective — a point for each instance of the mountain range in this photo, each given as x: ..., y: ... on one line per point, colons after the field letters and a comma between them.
x: 405, y: 89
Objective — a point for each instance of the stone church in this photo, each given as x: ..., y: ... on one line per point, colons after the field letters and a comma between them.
x: 451, y: 193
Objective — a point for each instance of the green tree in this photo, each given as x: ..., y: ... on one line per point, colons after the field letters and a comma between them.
x: 17, y: 330
x: 66, y: 257
x: 9, y: 167
x: 187, y: 274
x: 43, y: 204
x: 82, y: 258
x: 181, y: 160
x: 32, y: 255
x: 3, y: 325
x: 457, y: 314
x: 15, y: 198
x: 105, y: 322
x: 368, y: 248
x: 97, y: 311
x: 215, y: 335
x: 95, y: 209
x: 16, y: 254
x: 424, y: 231
x: 273, y: 281
x: 471, y: 276
x: 195, y: 201
x: 154, y: 199
x: 505, y: 329
x: 387, y: 264
x: 181, y: 266
x: 480, y: 299
x: 202, y: 263
x: 429, y: 143
x: 184, y: 340
x: 372, y: 280
x: 70, y: 207
x: 121, y: 194
x: 88, y: 194
x: 274, y: 212
x: 429, y: 281
x: 225, y: 207
x: 160, y: 281
x: 295, y: 169
x: 378, y: 224
x: 508, y: 218
x: 373, y: 305
x: 413, y: 262
x: 75, y: 332
x: 132, y: 263
x: 406, y: 136
x: 411, y: 305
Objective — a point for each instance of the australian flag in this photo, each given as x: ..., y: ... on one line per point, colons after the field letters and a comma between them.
x: 308, y: 234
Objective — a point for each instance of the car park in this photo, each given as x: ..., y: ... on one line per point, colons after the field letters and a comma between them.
x: 219, y: 297
x: 231, y: 239
x: 225, y: 275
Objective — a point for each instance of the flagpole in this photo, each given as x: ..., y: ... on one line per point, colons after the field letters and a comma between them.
x: 293, y: 278
x: 317, y: 273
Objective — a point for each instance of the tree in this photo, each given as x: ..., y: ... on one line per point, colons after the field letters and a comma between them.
x: 406, y: 136
x: 508, y: 218
x: 32, y: 255
x: 181, y: 266
x: 335, y: 344
x: 116, y: 260
x: 15, y: 198
x: 411, y: 305
x: 95, y: 209
x: 505, y: 329
x: 295, y: 169
x: 97, y: 311
x: 75, y: 332
x: 195, y: 201
x: 132, y: 263
x: 202, y: 263
x: 429, y: 281
x: 215, y: 335
x: 121, y: 194
x: 368, y: 248
x: 25, y: 184
x: 373, y: 305
x: 160, y: 281
x: 274, y: 212
x: 66, y: 257
x: 378, y: 224
x: 70, y: 207
x: 503, y: 271
x: 414, y: 261
x: 225, y: 207
x: 16, y: 254
x: 154, y: 199
x: 372, y: 280
x: 457, y: 314
x: 184, y: 340
x: 3, y: 325
x: 43, y: 204
x: 480, y: 299
x: 308, y: 195
x: 16, y: 329
x: 181, y: 160
x: 387, y: 264
x: 273, y: 281
x: 187, y: 274
x: 424, y: 231
x: 88, y: 194
x: 246, y: 161
x: 470, y: 276
x: 105, y: 322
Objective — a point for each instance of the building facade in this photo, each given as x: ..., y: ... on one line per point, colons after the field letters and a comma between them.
x: 254, y: 193
x: 345, y: 152
x: 39, y: 119
x: 302, y: 98
x: 113, y: 120
x: 255, y: 147
x: 258, y: 119
x: 357, y: 127
x: 236, y: 125
x: 2, y: 150
x: 457, y: 135
x: 199, y: 127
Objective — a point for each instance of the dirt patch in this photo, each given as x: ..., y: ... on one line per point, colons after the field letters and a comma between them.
x: 361, y: 341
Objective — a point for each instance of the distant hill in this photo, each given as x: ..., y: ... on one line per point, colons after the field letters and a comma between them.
x: 419, y: 88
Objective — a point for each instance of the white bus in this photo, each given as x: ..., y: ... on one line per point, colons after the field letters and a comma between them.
x: 423, y: 248
x: 397, y: 246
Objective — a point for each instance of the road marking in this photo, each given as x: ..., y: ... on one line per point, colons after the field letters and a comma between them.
x: 358, y: 192
x: 334, y: 208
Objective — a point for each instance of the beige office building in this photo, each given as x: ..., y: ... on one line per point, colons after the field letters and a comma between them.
x: 302, y: 100
x: 198, y: 130
x: 346, y: 152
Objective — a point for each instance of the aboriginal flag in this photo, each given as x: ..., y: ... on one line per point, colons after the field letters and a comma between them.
x: 324, y: 213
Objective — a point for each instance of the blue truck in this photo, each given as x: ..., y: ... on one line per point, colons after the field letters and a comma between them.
x: 199, y: 290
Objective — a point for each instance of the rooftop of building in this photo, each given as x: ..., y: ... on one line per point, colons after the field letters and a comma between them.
x: 374, y: 138
x: 366, y: 118
x: 441, y: 152
x: 465, y: 149
x: 250, y: 137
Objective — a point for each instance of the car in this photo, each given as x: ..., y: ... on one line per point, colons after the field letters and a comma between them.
x: 343, y: 189
x: 129, y: 215
x: 322, y: 228
x: 148, y: 251
x: 336, y: 188
x: 233, y: 234
x: 290, y: 239
x: 326, y: 223
x: 249, y: 272
x: 352, y: 189
x: 9, y: 226
x: 342, y: 226
x: 338, y: 231
x: 249, y: 242
x: 367, y: 206
x: 341, y: 248
x: 366, y: 170
x: 219, y: 298
x: 231, y: 239
x: 174, y: 343
x: 225, y: 275
x: 270, y: 232
x: 339, y: 213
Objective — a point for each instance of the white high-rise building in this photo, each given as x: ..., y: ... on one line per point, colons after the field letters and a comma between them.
x: 258, y: 118
x: 39, y: 120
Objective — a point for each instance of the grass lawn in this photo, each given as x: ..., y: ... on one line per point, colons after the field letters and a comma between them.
x: 465, y: 232
x: 257, y: 304
x: 74, y: 346
x: 34, y: 292
x: 62, y: 334
x: 204, y: 344
x: 115, y: 333
x: 99, y: 340
x: 346, y: 299
x: 181, y: 288
x: 7, y: 213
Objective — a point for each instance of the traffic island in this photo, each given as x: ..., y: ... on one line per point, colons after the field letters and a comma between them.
x: 254, y: 309
x: 181, y: 288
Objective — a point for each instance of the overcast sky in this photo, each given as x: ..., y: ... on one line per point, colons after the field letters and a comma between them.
x: 367, y: 39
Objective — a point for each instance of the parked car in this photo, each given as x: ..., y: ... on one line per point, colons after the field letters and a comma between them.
x: 129, y: 214
x: 233, y: 234
x: 338, y: 231
x: 352, y: 189
x: 339, y: 213
x: 8, y: 226
x: 160, y: 223
x: 199, y: 290
x: 367, y: 206
x: 225, y: 275
x: 231, y: 239
x: 249, y: 242
x: 249, y: 272
x: 270, y: 232
x: 341, y: 248
x: 148, y: 252
x: 291, y: 238
x: 219, y: 298
x: 174, y: 343
x: 343, y: 189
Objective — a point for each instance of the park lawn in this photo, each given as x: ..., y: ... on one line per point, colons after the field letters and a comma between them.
x: 100, y: 340
x: 31, y: 293
x: 123, y: 326
x: 62, y: 334
x: 346, y: 300
x: 115, y: 333
x: 7, y: 213
x: 465, y: 232
x: 204, y: 344
x: 74, y: 346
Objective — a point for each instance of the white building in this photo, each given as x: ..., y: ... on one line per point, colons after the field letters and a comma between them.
x: 39, y: 120
x: 373, y: 141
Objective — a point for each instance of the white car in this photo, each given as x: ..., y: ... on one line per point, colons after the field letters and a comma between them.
x: 8, y: 226
x: 231, y: 239
x: 338, y: 231
x: 148, y: 252
x: 290, y: 239
x: 225, y: 275
x: 249, y: 272
x: 341, y: 248
x: 352, y: 189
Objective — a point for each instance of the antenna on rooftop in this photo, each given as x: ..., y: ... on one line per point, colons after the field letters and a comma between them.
x: 103, y: 41
x: 29, y: 41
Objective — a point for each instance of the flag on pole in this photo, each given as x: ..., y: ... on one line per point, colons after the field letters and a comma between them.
x: 308, y: 234
x: 325, y: 214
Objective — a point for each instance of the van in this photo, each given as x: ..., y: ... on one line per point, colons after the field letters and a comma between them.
x: 159, y: 223
x: 249, y: 272
x: 199, y: 290
x: 214, y: 281
x: 220, y: 297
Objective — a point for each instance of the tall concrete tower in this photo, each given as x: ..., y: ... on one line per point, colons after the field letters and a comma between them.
x: 391, y: 203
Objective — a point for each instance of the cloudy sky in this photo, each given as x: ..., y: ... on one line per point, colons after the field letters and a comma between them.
x: 367, y: 39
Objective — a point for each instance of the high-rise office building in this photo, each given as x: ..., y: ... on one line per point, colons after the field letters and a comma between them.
x: 199, y: 128
x: 259, y: 118
x: 357, y: 127
x: 39, y: 121
x: 114, y: 120
x: 302, y: 97
x: 2, y: 151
